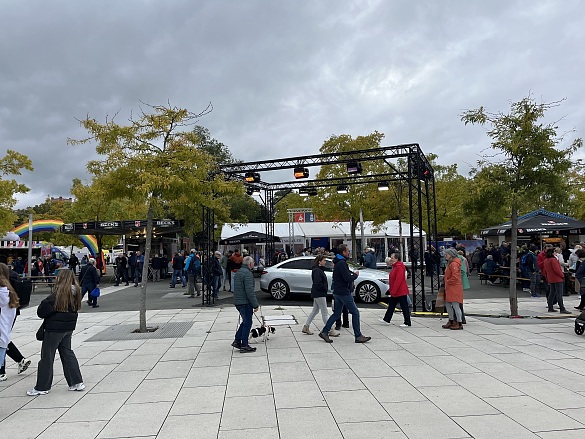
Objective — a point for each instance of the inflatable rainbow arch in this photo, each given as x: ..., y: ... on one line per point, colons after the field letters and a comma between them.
x: 88, y: 241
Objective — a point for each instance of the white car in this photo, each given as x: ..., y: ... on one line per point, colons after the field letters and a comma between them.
x: 294, y: 276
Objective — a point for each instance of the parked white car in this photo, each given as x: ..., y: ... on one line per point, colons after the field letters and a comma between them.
x: 294, y: 276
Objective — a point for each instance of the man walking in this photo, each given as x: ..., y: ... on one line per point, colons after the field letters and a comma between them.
x: 178, y: 262
x: 342, y: 279
x: 245, y: 302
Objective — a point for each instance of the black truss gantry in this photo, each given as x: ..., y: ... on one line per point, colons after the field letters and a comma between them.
x: 418, y: 176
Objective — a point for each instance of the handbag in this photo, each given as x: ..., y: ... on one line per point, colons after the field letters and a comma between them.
x: 95, y: 292
x: 41, y: 332
x: 440, y: 302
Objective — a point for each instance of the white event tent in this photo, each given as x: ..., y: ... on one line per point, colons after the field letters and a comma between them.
x: 327, y: 234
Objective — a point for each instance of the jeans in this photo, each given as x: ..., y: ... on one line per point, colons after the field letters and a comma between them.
x: 319, y: 304
x: 340, y: 302
x: 454, y: 311
x: 179, y: 274
x: 392, y: 301
x: 215, y: 285
x: 2, y: 355
x: 138, y: 275
x: 57, y: 341
x: 556, y: 295
x: 223, y: 277
x: 243, y: 331
x: 534, y: 281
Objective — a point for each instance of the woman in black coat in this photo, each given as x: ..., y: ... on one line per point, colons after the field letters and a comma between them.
x: 59, y: 311
x: 319, y: 295
x: 89, y: 278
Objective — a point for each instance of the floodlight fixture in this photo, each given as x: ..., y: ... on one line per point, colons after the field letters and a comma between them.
x: 342, y: 189
x: 252, y: 177
x: 383, y: 186
x: 304, y: 192
x: 301, y: 172
x: 253, y: 190
x: 354, y: 167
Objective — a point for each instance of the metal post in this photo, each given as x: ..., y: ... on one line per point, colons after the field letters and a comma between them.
x: 30, y: 234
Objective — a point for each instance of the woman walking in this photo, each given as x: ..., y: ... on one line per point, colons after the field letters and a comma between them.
x: 8, y: 305
x: 556, y: 280
x: 59, y: 311
x: 319, y: 295
x: 89, y: 278
x: 453, y: 290
x: 398, y: 290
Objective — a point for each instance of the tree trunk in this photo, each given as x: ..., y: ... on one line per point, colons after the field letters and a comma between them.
x: 144, y: 280
x: 513, y: 256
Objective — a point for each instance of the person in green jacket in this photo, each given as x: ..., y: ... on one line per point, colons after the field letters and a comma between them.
x: 245, y: 302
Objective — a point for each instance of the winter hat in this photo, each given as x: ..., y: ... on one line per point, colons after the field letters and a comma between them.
x: 452, y: 252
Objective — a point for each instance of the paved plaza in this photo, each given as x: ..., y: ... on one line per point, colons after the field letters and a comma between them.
x: 496, y: 378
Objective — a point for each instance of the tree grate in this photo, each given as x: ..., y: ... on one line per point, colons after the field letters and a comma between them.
x: 126, y: 332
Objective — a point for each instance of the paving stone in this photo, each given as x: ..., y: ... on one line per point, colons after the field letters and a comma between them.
x: 494, y: 426
x: 355, y: 406
x: 317, y: 422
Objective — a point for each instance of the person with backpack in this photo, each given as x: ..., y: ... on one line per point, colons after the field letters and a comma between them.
x: 556, y: 279
x: 193, y: 268
x: 530, y: 271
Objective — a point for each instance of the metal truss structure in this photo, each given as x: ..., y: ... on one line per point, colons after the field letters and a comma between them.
x: 418, y: 175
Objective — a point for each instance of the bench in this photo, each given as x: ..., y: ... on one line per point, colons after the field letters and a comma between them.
x: 483, y: 278
x: 42, y: 280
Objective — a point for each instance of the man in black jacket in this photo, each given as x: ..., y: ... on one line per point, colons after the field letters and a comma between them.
x: 342, y: 279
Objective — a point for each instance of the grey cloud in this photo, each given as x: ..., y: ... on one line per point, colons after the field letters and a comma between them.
x: 282, y: 76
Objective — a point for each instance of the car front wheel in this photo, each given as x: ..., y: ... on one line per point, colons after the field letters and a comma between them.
x: 367, y: 292
x: 278, y: 289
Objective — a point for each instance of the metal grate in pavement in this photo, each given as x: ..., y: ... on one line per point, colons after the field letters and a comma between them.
x: 125, y: 332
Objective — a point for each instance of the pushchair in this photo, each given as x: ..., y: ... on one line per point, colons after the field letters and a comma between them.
x: 580, y: 324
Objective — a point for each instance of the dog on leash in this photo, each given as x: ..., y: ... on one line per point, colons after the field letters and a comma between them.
x: 261, y: 330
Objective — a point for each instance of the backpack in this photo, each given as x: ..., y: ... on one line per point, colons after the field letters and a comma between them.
x: 194, y: 265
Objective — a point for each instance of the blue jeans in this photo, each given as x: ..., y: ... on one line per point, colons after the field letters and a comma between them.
x: 215, y: 281
x: 179, y: 274
x: 243, y: 331
x: 2, y: 355
x: 340, y: 302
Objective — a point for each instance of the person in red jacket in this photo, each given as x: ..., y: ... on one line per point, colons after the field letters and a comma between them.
x: 398, y: 290
x: 540, y: 264
x: 556, y: 280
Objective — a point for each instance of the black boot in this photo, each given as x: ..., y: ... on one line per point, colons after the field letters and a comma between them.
x: 581, y: 305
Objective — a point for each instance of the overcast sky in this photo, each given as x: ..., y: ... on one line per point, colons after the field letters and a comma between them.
x: 282, y: 76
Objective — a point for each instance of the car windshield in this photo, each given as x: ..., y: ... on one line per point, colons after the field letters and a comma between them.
x: 354, y: 266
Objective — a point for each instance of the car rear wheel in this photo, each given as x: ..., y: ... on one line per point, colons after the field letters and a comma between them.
x: 278, y: 289
x: 367, y: 292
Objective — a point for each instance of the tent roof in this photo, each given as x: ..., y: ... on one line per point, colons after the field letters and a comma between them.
x: 320, y: 229
x: 539, y: 221
x: 249, y: 237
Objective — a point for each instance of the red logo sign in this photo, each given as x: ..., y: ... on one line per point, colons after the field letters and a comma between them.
x: 137, y: 223
x: 300, y: 217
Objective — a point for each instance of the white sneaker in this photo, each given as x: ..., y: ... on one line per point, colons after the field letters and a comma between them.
x: 79, y: 387
x: 404, y: 325
x: 334, y: 333
x: 526, y: 290
x: 384, y: 321
x: 35, y: 392
x: 23, y: 365
x: 3, y: 377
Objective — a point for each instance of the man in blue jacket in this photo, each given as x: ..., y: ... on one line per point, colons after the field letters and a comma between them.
x: 342, y: 279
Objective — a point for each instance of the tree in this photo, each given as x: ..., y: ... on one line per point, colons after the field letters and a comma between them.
x: 153, y: 161
x: 524, y: 165
x: 11, y: 164
x: 338, y: 207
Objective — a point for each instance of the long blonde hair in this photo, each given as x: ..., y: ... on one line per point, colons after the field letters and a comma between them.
x: 5, y: 282
x: 67, y: 292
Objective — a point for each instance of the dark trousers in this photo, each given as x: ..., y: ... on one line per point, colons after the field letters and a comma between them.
x: 339, y: 303
x: 345, y: 314
x: 60, y: 341
x: 12, y: 352
x: 121, y: 274
x: 392, y: 302
x: 556, y: 295
x: 243, y: 331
